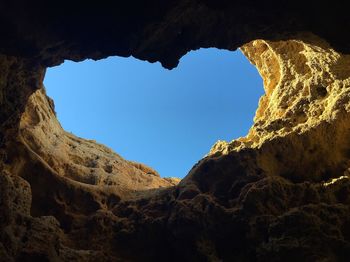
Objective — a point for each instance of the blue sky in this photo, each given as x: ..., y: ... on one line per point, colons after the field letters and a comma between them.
x: 167, y: 119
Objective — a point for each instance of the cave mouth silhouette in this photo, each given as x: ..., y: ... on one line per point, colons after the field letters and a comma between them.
x: 166, y: 119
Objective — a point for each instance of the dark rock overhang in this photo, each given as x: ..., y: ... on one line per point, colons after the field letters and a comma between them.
x: 155, y: 30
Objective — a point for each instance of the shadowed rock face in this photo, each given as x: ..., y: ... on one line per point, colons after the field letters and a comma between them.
x: 280, y: 193
x: 158, y: 30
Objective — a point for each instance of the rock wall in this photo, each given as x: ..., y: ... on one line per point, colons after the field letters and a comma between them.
x: 279, y: 194
x: 305, y: 109
x: 54, y: 184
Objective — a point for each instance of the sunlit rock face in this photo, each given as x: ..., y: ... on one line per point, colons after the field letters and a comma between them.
x: 287, y: 181
x: 306, y: 105
x: 279, y: 194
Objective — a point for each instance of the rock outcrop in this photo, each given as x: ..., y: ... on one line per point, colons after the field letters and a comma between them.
x: 282, y: 193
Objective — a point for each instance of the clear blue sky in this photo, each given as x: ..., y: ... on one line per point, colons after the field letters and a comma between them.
x: 167, y: 119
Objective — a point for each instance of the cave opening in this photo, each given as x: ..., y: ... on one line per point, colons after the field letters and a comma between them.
x: 166, y: 119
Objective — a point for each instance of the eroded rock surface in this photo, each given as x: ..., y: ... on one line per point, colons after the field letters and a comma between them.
x: 279, y: 194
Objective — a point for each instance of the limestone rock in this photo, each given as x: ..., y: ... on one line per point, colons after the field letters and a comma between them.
x: 80, y: 160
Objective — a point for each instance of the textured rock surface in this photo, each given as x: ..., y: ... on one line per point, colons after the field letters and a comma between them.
x: 305, y: 109
x: 279, y: 194
x: 77, y: 159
